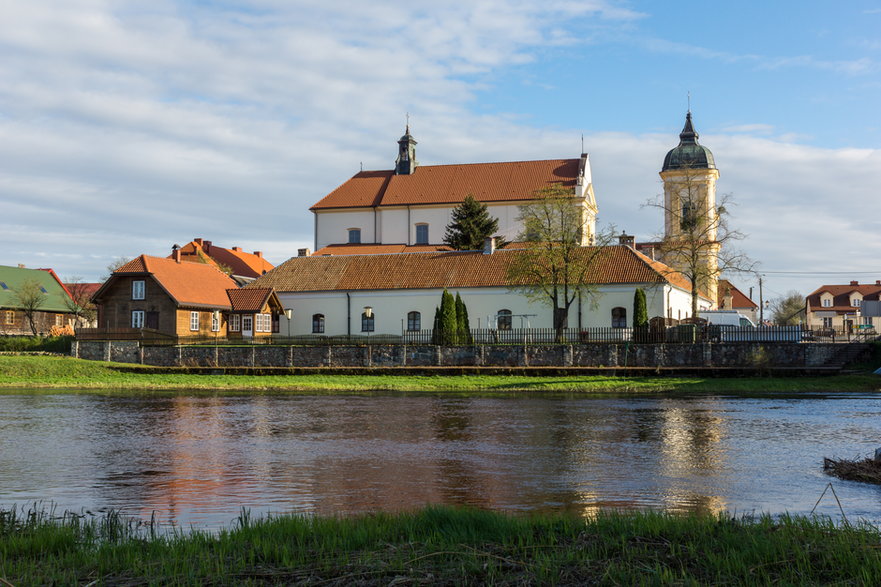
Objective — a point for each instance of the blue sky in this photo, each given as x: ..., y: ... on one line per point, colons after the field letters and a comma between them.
x: 128, y: 126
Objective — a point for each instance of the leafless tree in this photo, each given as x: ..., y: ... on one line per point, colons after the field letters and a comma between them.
x: 79, y: 302
x: 788, y: 310
x: 30, y: 297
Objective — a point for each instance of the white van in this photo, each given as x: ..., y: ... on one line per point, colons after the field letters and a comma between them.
x: 726, y: 318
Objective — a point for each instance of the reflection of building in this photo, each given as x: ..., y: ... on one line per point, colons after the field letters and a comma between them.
x: 840, y: 306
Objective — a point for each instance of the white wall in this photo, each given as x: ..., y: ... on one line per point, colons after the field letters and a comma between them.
x: 391, y: 307
x: 332, y: 226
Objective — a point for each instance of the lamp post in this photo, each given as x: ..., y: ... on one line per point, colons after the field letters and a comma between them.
x: 215, y: 325
x: 368, y: 313
x: 288, y: 312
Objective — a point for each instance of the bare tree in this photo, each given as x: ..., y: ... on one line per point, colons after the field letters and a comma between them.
x: 788, y: 310
x: 698, y: 241
x: 554, y: 266
x: 79, y: 302
x: 113, y: 266
x: 30, y: 297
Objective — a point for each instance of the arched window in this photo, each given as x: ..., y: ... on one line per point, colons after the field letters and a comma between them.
x: 317, y: 323
x: 503, y: 320
x: 367, y: 323
x: 619, y: 317
x: 414, y: 321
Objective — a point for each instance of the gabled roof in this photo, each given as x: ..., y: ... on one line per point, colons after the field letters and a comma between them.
x: 12, y: 278
x: 253, y: 299
x: 238, y: 261
x: 449, y: 184
x: 377, y: 249
x: 188, y: 284
x: 458, y: 269
x: 740, y: 299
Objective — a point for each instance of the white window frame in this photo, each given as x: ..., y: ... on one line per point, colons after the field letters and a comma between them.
x: 139, y: 289
x: 827, y: 322
x: 138, y: 318
x: 856, y: 302
x: 194, y: 321
x: 827, y: 303
x: 10, y: 317
x: 215, y: 322
x: 235, y: 323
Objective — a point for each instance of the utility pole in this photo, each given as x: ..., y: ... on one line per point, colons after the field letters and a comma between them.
x: 761, y: 303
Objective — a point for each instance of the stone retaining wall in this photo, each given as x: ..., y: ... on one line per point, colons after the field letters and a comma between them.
x: 758, y: 354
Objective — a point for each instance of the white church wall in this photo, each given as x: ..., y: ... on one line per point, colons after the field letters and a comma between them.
x: 332, y: 226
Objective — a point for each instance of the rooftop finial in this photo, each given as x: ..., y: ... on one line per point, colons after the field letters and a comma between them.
x: 408, y: 124
x: 689, y: 101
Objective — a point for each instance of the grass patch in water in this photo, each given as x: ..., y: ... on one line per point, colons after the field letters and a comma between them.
x: 50, y: 372
x: 440, y: 545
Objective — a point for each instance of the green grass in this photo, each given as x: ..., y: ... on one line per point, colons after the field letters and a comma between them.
x: 439, y: 545
x: 51, y: 372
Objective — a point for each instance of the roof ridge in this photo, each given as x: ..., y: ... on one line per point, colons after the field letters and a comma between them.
x: 478, y: 163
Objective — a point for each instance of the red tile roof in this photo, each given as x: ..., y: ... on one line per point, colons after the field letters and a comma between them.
x: 841, y: 295
x: 449, y: 184
x: 249, y: 300
x: 445, y: 269
x: 238, y: 261
x: 188, y: 284
x: 372, y: 249
x: 740, y: 300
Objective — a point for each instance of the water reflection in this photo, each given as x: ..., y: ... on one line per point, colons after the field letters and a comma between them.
x: 200, y: 459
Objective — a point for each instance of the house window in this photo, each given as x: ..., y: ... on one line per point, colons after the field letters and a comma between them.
x: 619, y: 317
x: 235, y: 323
x: 503, y: 320
x: 354, y: 236
x: 137, y: 319
x: 317, y: 323
x: 421, y: 234
x: 194, y: 321
x: 867, y: 320
x: 827, y: 303
x: 827, y: 322
x: 215, y: 321
x: 414, y: 321
x: 59, y: 320
x: 138, y: 289
x: 368, y: 324
x: 10, y: 317
x: 856, y: 302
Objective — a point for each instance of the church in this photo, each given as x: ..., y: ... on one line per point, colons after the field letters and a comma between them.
x: 380, y: 264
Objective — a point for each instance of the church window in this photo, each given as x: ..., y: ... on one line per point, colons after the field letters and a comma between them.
x: 503, y: 320
x: 619, y: 317
x: 421, y: 234
x: 317, y: 323
x: 354, y: 236
x: 414, y: 321
x: 689, y: 216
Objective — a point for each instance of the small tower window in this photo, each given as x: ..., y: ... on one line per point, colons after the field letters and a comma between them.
x: 689, y: 216
x: 421, y: 234
x: 354, y: 236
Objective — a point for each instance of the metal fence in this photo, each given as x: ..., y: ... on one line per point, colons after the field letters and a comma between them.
x: 679, y: 334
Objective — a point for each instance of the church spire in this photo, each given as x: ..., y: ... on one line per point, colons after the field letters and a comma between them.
x: 405, y: 164
x: 688, y: 134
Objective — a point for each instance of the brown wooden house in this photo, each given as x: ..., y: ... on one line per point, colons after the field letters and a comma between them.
x: 165, y: 297
x: 255, y: 312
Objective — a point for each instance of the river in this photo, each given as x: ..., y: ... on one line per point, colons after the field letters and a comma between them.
x: 197, y: 460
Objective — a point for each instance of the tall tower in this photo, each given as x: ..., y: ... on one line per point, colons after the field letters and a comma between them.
x: 405, y: 164
x: 690, y: 218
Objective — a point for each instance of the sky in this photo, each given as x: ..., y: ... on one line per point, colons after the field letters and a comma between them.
x: 127, y: 126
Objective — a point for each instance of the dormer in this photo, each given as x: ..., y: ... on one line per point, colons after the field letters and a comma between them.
x: 827, y: 300
x: 856, y: 299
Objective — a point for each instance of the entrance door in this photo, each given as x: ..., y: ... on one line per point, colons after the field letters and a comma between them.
x: 152, y: 320
x: 247, y: 326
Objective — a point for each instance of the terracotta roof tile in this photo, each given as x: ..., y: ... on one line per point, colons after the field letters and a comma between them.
x: 189, y: 284
x: 443, y: 269
x: 740, y: 300
x: 237, y: 260
x: 372, y: 249
x: 445, y: 184
x: 841, y: 295
x: 248, y: 300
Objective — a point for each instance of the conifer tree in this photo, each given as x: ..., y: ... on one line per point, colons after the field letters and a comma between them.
x: 436, y: 328
x: 448, y: 326
x: 464, y: 330
x: 640, y: 311
x: 470, y: 225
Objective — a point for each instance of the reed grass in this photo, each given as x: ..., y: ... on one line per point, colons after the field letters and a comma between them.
x: 58, y: 372
x: 440, y: 545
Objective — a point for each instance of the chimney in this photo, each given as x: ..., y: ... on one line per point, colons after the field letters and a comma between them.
x: 303, y: 252
x: 258, y: 254
x: 878, y: 282
x: 206, y: 246
x: 854, y: 282
x: 175, y: 252
x: 627, y: 240
x: 198, y: 241
x: 237, y: 249
x: 728, y: 300
x: 489, y: 245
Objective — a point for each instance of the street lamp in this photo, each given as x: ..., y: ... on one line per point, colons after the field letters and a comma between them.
x: 368, y: 313
x: 215, y: 325
x: 288, y: 312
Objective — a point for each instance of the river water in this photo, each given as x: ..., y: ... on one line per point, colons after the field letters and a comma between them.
x: 199, y: 459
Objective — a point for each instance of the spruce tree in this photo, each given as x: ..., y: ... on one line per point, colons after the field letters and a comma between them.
x: 464, y: 330
x: 470, y: 225
x: 640, y: 311
x: 448, y: 326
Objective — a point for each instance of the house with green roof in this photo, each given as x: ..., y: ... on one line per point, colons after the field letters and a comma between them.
x: 32, y: 301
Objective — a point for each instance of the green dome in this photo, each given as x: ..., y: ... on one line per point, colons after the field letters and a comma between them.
x: 689, y: 154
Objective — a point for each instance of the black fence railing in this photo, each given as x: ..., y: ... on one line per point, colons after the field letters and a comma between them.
x: 679, y: 334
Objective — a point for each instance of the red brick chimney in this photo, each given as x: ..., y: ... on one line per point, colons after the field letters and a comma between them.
x: 258, y: 254
x: 206, y: 246
x: 175, y: 252
x: 854, y: 282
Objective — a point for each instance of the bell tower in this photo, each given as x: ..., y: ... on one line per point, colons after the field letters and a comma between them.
x: 690, y: 218
x: 406, y: 163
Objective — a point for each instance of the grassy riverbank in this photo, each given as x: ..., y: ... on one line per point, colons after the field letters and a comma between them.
x: 442, y: 546
x: 56, y: 372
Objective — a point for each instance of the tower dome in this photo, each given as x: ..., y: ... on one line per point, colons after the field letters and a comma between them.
x: 689, y: 154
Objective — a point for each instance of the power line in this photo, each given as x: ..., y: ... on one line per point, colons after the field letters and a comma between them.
x: 823, y: 272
